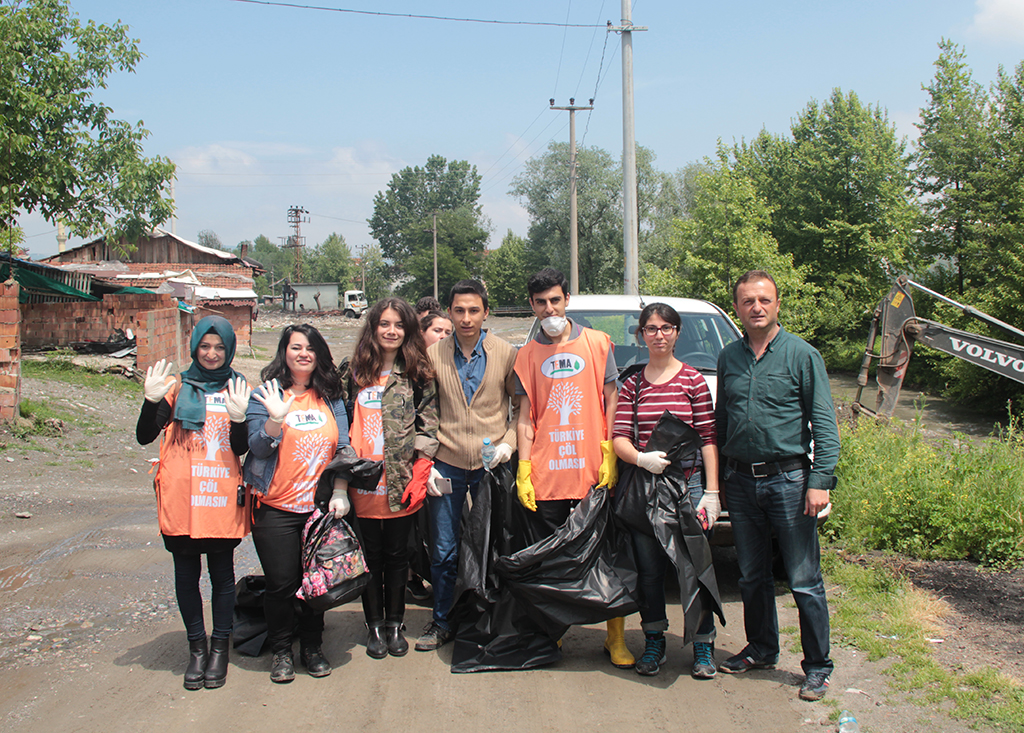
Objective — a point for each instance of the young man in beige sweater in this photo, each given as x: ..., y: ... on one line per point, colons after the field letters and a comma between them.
x: 476, y: 400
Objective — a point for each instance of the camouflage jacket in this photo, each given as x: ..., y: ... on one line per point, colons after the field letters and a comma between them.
x: 409, y: 417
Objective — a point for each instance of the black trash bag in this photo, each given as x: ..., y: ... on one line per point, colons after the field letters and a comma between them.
x: 249, y: 624
x: 493, y: 630
x: 673, y: 522
x: 518, y: 594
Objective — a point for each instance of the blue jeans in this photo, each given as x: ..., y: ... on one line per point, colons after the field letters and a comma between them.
x: 445, y: 528
x: 756, y: 507
x: 652, y: 564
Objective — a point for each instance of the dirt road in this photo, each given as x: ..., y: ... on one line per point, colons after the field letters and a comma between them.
x: 90, y: 639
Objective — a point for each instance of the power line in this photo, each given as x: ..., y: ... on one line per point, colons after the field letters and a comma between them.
x: 561, y: 51
x: 415, y: 16
x: 590, y: 48
x: 521, y: 135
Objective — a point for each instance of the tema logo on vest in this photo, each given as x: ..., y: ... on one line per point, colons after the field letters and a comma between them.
x: 306, y: 420
x: 562, y: 366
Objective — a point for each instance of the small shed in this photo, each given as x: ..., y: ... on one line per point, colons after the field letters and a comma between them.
x: 316, y: 296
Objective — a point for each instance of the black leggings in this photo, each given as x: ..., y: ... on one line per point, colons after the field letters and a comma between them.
x: 277, y: 535
x: 187, y: 569
x: 386, y: 548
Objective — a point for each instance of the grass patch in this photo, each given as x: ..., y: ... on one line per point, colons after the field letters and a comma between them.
x: 63, y: 370
x: 947, y: 501
x: 880, y: 612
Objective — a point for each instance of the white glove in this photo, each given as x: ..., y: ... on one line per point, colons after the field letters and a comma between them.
x: 712, y: 505
x: 156, y: 386
x: 238, y: 399
x: 277, y: 409
x: 432, y: 489
x: 502, y: 452
x: 339, y: 503
x: 655, y: 461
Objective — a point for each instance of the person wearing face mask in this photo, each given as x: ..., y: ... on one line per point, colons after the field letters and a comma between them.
x: 567, y: 397
x: 202, y: 420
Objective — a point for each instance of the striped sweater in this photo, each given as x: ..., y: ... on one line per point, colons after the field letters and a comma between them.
x: 493, y: 411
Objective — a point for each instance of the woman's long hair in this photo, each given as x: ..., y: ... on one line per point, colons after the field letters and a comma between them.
x: 325, y: 376
x: 368, y: 359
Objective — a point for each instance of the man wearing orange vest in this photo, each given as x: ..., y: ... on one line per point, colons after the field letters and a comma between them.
x: 567, y: 403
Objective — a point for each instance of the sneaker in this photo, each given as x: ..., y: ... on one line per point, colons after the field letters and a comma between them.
x: 744, y: 662
x: 649, y: 663
x: 703, y: 661
x: 815, y: 686
x: 418, y: 590
x: 434, y: 636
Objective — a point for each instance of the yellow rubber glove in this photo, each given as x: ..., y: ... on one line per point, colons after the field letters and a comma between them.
x: 524, y: 486
x: 608, y: 473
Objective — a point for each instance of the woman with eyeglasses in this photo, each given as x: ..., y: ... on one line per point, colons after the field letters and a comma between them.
x: 666, y: 383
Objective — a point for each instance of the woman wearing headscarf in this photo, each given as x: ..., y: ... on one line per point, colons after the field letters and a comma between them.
x: 200, y: 505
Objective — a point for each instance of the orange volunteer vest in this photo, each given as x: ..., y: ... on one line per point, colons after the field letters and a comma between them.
x: 367, y: 437
x: 565, y: 384
x: 197, y: 481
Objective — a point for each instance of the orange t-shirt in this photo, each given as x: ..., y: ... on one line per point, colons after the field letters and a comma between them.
x: 197, y: 481
x: 367, y: 437
x: 565, y: 384
x: 308, y: 443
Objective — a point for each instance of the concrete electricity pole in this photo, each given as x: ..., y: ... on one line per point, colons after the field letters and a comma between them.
x: 630, y: 227
x: 434, y: 230
x: 574, y: 245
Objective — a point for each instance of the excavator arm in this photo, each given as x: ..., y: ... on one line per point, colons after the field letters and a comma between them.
x: 899, y: 327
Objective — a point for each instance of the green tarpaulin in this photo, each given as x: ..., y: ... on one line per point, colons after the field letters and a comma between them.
x: 32, y: 283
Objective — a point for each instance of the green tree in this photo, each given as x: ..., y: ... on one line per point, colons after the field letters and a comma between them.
x: 374, y: 274
x: 726, y: 234
x: 949, y: 155
x: 403, y: 214
x: 209, y: 238
x: 63, y: 154
x: 329, y: 262
x: 460, y: 244
x: 505, y: 272
x: 543, y: 188
x: 279, y: 263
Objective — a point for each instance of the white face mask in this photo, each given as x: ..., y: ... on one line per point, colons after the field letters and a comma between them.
x: 554, y: 325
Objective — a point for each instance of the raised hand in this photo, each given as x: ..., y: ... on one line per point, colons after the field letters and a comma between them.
x: 157, y: 384
x: 238, y: 398
x: 269, y: 393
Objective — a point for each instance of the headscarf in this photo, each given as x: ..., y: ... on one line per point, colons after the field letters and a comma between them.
x: 198, y: 381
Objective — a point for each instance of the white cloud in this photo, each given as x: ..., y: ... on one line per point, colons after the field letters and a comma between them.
x: 999, y: 20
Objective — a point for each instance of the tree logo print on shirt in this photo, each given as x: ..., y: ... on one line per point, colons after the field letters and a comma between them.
x: 562, y: 366
x: 313, y: 450
x: 213, y: 438
x: 373, y: 432
x: 567, y: 398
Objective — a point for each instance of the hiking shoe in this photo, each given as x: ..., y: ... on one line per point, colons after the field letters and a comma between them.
x: 434, y: 636
x: 744, y: 662
x: 282, y: 669
x: 649, y: 663
x: 703, y: 661
x: 815, y: 686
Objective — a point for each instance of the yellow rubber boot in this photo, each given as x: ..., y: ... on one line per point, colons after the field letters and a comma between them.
x: 615, y: 644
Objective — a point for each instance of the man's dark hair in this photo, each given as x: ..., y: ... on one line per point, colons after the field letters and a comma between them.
x: 468, y: 287
x: 754, y: 275
x: 546, y: 279
x: 427, y: 303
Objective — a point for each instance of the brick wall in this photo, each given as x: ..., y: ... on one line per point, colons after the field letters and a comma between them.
x: 240, y: 318
x: 161, y: 330
x: 10, y: 350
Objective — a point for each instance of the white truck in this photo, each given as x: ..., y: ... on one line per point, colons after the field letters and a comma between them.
x: 354, y: 303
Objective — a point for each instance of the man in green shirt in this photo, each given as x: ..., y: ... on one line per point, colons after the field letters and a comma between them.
x: 773, y: 401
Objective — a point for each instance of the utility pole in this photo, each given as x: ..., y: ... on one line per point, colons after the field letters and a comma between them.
x: 574, y: 235
x: 434, y: 230
x: 630, y: 227
x: 296, y: 241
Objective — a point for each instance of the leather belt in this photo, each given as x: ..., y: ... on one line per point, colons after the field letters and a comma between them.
x: 768, y: 468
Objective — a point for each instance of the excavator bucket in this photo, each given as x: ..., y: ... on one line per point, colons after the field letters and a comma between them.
x: 888, y: 322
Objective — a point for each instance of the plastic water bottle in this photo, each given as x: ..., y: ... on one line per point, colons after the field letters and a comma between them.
x: 848, y: 723
x: 487, y: 453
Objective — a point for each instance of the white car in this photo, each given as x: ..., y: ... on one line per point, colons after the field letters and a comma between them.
x: 705, y: 329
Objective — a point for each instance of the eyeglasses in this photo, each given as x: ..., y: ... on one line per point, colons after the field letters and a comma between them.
x: 666, y: 330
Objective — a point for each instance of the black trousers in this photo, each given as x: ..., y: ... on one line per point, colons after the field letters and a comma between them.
x: 277, y: 535
x: 187, y: 570
x: 386, y: 548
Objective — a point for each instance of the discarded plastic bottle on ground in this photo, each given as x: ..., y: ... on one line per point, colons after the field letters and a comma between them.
x: 848, y: 723
x: 487, y: 453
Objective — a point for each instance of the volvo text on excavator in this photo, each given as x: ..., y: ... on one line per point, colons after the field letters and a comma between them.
x: 900, y: 328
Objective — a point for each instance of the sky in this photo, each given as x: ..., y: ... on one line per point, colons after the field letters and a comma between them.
x: 263, y: 106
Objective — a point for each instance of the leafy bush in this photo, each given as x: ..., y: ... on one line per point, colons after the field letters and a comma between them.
x: 951, y: 500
